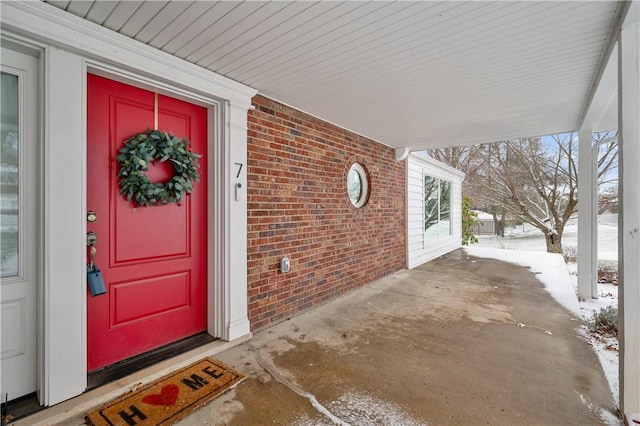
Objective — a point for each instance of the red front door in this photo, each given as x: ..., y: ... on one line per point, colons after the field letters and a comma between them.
x: 153, y: 259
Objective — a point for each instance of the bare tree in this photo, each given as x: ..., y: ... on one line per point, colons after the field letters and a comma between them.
x: 534, y: 179
x: 464, y: 158
x: 458, y: 157
x: 535, y: 182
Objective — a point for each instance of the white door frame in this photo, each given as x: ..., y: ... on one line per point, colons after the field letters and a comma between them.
x: 72, y: 47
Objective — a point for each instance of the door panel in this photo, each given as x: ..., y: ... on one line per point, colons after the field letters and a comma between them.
x: 149, y: 244
x: 126, y: 297
x: 14, y: 334
x: 153, y: 259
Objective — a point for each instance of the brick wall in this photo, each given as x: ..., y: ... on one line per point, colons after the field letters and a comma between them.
x: 298, y: 207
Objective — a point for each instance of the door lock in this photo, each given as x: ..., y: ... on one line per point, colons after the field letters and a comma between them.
x: 92, y: 238
x: 91, y: 216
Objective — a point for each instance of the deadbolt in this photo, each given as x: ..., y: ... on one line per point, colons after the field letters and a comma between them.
x: 91, y: 216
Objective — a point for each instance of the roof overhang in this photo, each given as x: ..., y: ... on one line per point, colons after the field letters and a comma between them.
x: 417, y: 74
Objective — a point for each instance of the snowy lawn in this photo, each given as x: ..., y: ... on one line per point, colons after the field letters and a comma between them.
x: 529, y: 238
x: 561, y: 280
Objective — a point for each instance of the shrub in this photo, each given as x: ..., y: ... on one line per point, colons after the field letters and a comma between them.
x: 570, y: 254
x: 605, y: 322
x: 468, y: 221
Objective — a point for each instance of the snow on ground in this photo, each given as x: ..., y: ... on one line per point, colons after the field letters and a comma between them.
x: 359, y: 409
x: 605, y: 347
x: 561, y: 280
x: 528, y: 237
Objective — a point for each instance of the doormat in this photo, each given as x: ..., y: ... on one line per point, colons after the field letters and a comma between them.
x: 169, y: 398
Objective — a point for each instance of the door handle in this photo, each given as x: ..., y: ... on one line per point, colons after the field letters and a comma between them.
x: 94, y: 276
x: 92, y: 238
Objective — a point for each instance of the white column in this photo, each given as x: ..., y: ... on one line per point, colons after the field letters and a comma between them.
x: 230, y: 317
x: 238, y: 322
x: 587, y: 239
x: 64, y: 318
x: 629, y: 219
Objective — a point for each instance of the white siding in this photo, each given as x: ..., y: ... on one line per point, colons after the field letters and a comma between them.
x: 420, y: 250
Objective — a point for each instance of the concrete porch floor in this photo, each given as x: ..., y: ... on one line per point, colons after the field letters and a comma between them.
x: 460, y: 340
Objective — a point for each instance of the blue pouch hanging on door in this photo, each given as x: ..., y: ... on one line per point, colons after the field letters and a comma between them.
x: 95, y: 281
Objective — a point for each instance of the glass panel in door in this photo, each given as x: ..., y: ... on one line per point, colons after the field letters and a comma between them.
x: 9, y: 176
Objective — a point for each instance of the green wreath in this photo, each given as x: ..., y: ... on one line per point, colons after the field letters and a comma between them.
x: 143, y: 148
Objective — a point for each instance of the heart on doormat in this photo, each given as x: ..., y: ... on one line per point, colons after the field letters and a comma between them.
x: 168, y: 396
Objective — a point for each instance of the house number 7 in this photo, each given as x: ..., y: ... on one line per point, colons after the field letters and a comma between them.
x: 239, y: 169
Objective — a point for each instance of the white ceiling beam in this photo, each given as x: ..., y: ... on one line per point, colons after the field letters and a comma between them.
x: 604, y: 97
x: 605, y: 83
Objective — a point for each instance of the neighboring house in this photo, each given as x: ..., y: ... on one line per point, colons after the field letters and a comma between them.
x: 280, y: 189
x: 485, y: 224
x: 608, y: 203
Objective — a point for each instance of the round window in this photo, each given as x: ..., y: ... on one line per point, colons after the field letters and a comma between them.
x: 357, y: 185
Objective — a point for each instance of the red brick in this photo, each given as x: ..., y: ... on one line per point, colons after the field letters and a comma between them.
x: 298, y: 207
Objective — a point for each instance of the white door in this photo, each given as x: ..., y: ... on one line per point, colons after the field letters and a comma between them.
x: 18, y: 223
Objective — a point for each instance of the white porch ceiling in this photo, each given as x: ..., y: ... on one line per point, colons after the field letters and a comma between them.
x: 417, y: 74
